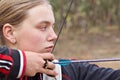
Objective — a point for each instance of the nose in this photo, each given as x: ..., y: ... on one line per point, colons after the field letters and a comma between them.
x: 52, y: 36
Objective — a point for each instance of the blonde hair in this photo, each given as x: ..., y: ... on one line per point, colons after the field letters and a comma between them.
x: 15, y: 11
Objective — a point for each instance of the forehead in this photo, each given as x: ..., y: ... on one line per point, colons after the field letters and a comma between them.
x: 41, y: 13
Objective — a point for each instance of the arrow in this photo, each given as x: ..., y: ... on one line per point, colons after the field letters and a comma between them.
x: 64, y: 62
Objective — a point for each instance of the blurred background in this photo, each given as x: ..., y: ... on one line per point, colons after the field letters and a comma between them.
x: 91, y: 30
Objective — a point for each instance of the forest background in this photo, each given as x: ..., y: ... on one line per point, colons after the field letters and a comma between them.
x: 91, y: 30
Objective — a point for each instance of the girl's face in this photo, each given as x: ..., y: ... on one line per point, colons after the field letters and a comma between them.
x: 36, y: 32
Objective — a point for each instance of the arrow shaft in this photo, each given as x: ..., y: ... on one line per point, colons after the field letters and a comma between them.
x: 94, y: 60
x: 97, y: 60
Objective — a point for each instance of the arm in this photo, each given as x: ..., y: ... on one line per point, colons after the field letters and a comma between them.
x: 24, y: 64
x: 10, y: 61
x: 85, y: 71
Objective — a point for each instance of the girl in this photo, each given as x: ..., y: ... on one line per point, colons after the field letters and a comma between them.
x: 28, y: 25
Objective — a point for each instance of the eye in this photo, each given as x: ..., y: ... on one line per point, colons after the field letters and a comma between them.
x: 43, y: 27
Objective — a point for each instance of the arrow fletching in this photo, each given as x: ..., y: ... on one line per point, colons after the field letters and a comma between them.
x: 63, y: 62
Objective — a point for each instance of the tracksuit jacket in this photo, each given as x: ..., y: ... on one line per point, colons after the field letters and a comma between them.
x: 13, y: 65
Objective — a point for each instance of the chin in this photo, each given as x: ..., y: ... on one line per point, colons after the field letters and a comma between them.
x: 41, y: 51
x: 45, y: 51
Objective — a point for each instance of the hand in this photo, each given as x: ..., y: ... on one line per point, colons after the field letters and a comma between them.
x: 36, y: 61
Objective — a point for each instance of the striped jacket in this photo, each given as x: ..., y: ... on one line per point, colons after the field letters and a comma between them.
x: 12, y: 63
x: 10, y: 69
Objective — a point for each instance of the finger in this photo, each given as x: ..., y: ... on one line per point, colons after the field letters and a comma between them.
x: 48, y: 69
x: 47, y: 56
x: 50, y: 72
x: 50, y: 65
x: 45, y: 64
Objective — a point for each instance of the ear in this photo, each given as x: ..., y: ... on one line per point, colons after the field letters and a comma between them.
x: 8, y: 32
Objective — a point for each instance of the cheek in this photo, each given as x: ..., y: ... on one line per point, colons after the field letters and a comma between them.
x: 31, y: 41
x: 34, y: 39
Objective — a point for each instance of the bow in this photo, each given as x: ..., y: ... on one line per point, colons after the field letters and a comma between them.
x: 64, y: 62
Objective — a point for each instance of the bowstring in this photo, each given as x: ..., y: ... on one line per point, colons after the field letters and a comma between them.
x: 62, y: 25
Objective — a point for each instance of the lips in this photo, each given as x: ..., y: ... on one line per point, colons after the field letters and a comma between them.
x: 49, y: 49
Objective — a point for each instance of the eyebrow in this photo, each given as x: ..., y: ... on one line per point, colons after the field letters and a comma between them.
x: 46, y: 22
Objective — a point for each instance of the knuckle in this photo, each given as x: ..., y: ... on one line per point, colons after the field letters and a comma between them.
x: 49, y: 72
x: 37, y: 68
x: 52, y: 66
x: 32, y: 73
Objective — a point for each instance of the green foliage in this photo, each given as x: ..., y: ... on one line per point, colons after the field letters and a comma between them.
x: 87, y: 13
